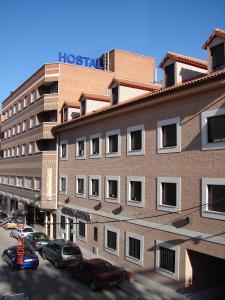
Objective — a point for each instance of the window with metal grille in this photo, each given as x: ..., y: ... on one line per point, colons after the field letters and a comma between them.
x: 167, y: 259
x: 136, y: 140
x: 169, y: 193
x: 134, y: 248
x: 113, y: 143
x: 82, y: 229
x: 135, y: 191
x: 169, y: 75
x: 216, y: 129
x: 218, y: 56
x: 95, y: 234
x: 80, y: 186
x: 95, y: 146
x: 216, y: 198
x: 113, y: 187
x: 95, y: 187
x: 111, y: 240
x: 169, y: 135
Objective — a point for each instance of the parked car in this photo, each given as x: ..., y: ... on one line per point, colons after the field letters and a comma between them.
x: 18, y: 233
x: 3, y: 215
x: 98, y: 273
x: 37, y: 240
x: 11, y: 224
x: 20, y: 296
x: 30, y: 259
x: 62, y: 253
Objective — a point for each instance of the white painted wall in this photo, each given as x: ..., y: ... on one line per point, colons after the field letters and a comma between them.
x: 73, y: 111
x: 126, y: 93
x: 93, y: 105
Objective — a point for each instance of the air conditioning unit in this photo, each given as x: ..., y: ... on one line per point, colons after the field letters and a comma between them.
x: 95, y: 250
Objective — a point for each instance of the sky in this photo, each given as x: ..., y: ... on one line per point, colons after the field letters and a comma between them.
x: 32, y: 32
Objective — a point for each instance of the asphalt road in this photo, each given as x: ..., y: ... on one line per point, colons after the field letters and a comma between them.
x: 48, y: 283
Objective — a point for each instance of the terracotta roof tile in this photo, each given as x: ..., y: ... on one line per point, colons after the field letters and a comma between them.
x: 185, y: 59
x: 136, y: 84
x: 216, y: 32
x: 71, y: 104
x: 146, y: 97
x: 96, y: 97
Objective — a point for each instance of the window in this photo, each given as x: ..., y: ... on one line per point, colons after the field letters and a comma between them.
x: 12, y: 180
x: 1, y: 181
x: 19, y: 181
x: 18, y: 151
x: 82, y: 107
x: 213, y: 129
x: 65, y: 114
x: 14, y: 109
x: 5, y: 134
x: 115, y: 95
x: 23, y: 149
x: 95, y: 234
x: 13, y: 152
x: 169, y: 136
x: 30, y: 148
x: 37, y: 183
x: 25, y: 101
x: 135, y: 191
x: 63, y: 184
x: 6, y: 179
x: 18, y: 128
x: 169, y: 194
x: 112, y: 188
x: 29, y: 183
x: 9, y: 132
x: 112, y: 240
x: 9, y: 153
x: 169, y: 75
x: 33, y: 96
x: 24, y: 125
x: 10, y: 111
x: 19, y: 106
x: 218, y: 57
x: 5, y: 153
x: 32, y: 122
x: 62, y: 222
x: 80, y: 186
x: 113, y: 143
x: 82, y: 230
x: 213, y: 198
x: 134, y: 248
x: 135, y: 140
x: 81, y: 148
x: 14, y: 130
x: 167, y: 259
x: 94, y: 187
x: 95, y: 145
x: 63, y: 150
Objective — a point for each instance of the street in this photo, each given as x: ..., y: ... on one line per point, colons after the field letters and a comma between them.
x: 47, y: 282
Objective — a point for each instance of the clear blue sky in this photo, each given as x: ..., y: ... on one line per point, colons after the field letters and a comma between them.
x: 32, y: 32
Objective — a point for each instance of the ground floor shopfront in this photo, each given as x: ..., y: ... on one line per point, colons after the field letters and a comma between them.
x: 154, y: 250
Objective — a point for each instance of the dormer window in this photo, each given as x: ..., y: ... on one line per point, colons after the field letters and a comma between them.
x: 83, y: 108
x: 218, y: 57
x: 169, y: 75
x: 115, y: 95
x: 65, y: 114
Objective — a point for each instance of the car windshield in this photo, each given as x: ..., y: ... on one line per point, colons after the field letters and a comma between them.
x: 104, y: 267
x: 71, y: 250
x: 28, y: 230
x: 40, y: 236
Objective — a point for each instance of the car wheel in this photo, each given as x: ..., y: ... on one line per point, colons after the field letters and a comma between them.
x: 93, y: 286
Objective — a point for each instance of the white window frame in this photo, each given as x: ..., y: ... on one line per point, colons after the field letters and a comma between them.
x: 93, y: 197
x: 134, y: 260
x: 30, y: 148
x: 177, y: 257
x: 79, y: 139
x: 32, y: 122
x: 76, y: 186
x: 108, y: 134
x: 25, y: 184
x: 19, y: 106
x: 33, y: 96
x: 204, y: 126
x: 24, y: 126
x: 14, y: 130
x: 18, y: 128
x: 64, y: 142
x: 131, y: 129
x: 60, y: 185
x: 205, y: 212
x: 132, y: 202
x: 18, y: 150
x: 35, y: 183
x: 13, y: 152
x: 160, y: 205
x: 23, y: 150
x: 81, y: 238
x: 160, y: 124
x: 14, y: 109
x: 110, y: 199
x: 25, y: 101
x: 19, y: 177
x: 94, y: 136
x: 117, y: 231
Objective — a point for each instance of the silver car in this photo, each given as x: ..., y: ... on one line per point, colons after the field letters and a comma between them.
x: 18, y: 233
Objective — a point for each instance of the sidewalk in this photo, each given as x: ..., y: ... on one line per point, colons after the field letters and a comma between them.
x: 144, y: 288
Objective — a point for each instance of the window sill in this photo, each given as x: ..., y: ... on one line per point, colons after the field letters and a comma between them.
x: 113, y: 154
x: 169, y: 208
x: 135, y: 203
x: 169, y: 150
x: 134, y: 260
x: 112, y: 200
x: 135, y: 152
x: 213, y: 215
x: 214, y: 146
x: 81, y: 238
x: 112, y: 251
x: 80, y: 195
x: 167, y: 273
x: 93, y: 197
x: 80, y: 157
x: 93, y: 156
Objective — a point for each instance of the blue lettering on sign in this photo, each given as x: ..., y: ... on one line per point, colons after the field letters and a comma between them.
x: 80, y: 60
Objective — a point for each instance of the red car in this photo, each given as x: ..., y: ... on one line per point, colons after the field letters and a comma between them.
x: 98, y: 273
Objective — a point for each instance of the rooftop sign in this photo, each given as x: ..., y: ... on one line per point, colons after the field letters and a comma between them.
x: 80, y: 60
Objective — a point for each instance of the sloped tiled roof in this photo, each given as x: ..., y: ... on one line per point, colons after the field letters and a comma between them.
x: 136, y: 84
x: 185, y: 59
x: 216, y: 32
x: 103, y: 98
